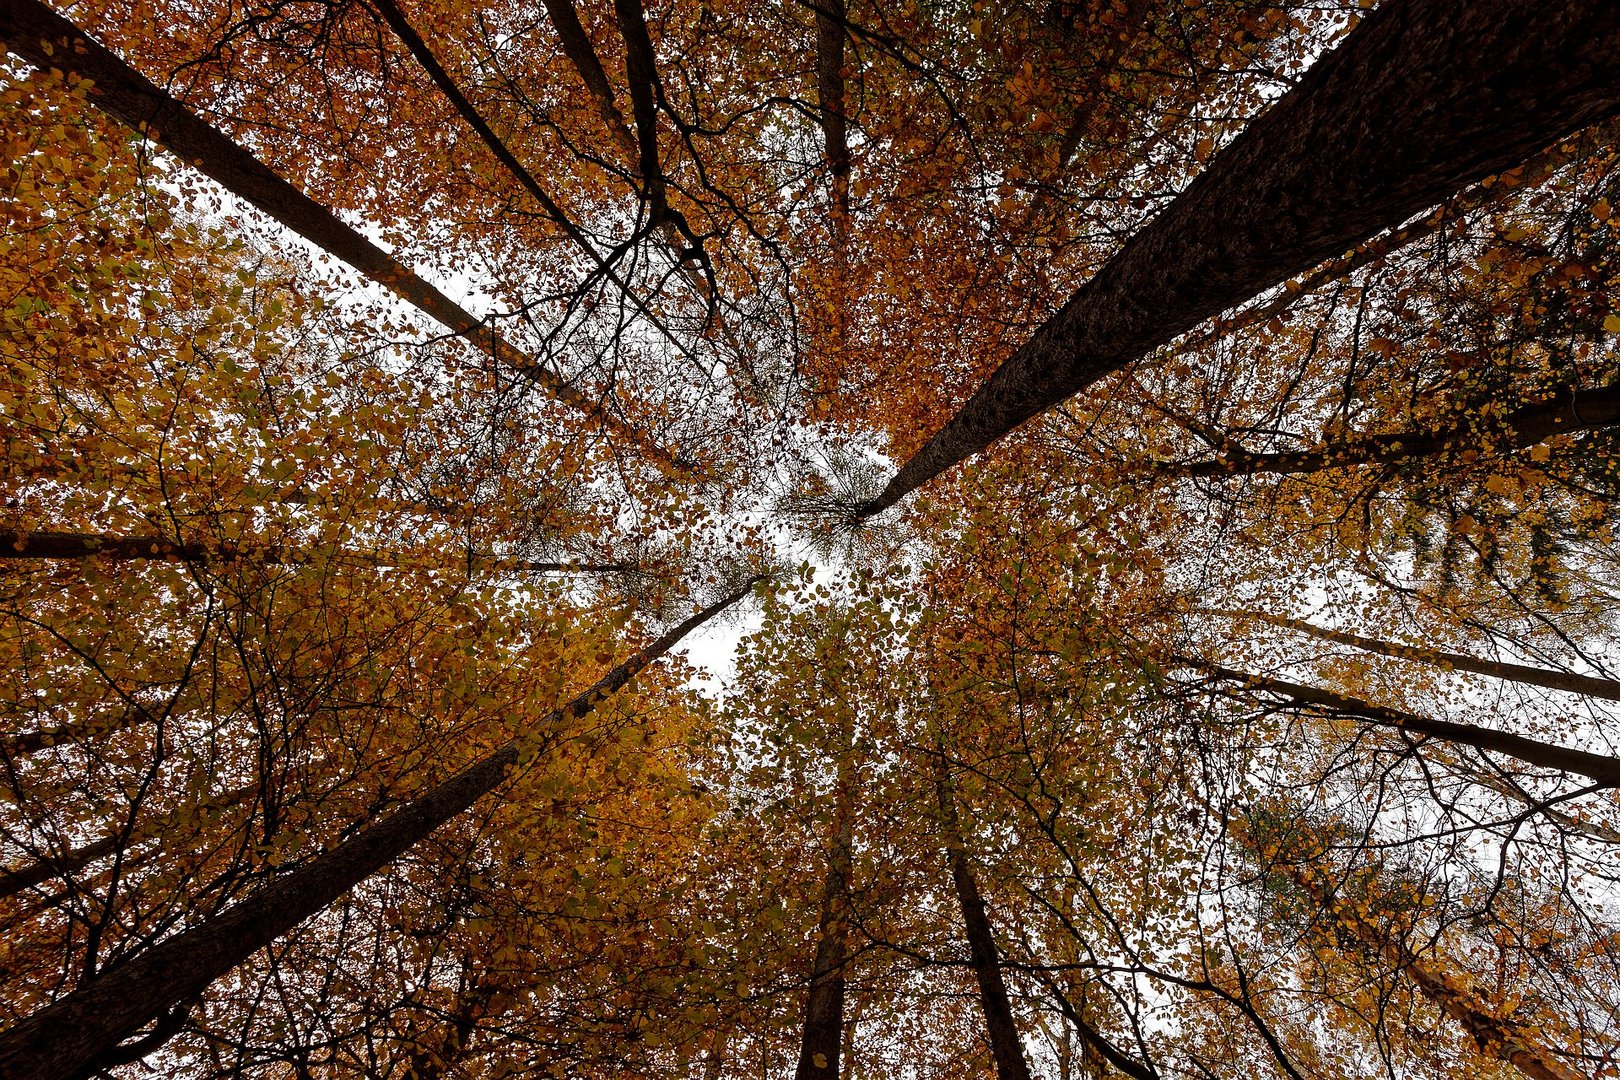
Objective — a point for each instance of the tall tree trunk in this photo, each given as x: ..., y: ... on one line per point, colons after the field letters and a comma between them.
x: 576, y: 45
x: 1576, y: 410
x: 64, y: 545
x: 59, y: 1040
x: 1587, y: 685
x: 1600, y: 767
x: 1424, y: 97
x: 641, y: 73
x: 830, y: 19
x: 1534, y: 172
x: 37, y: 34
x: 821, y: 1041
x: 1005, y: 1044
x: 822, y: 1038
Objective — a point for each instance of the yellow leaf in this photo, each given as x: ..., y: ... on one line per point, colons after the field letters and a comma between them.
x: 1612, y: 324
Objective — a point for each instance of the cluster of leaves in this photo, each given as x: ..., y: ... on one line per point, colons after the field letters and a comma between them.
x: 1156, y: 677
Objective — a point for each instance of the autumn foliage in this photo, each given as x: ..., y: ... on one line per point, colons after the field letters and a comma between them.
x: 1162, y: 503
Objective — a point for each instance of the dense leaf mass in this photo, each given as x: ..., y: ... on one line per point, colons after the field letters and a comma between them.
x: 384, y: 384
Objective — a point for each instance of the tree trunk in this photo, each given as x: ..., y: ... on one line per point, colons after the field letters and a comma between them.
x: 830, y: 18
x: 1424, y: 97
x: 63, y: 545
x: 1005, y: 1044
x: 1534, y: 172
x: 821, y: 1042
x: 822, y: 1039
x: 1599, y: 767
x: 576, y: 45
x: 1581, y: 410
x: 37, y: 34
x: 59, y: 1040
x: 1587, y: 685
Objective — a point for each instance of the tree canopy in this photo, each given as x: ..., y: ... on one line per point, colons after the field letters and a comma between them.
x: 1157, y: 462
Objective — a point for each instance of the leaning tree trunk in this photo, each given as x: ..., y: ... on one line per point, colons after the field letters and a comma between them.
x: 1600, y: 767
x: 1532, y: 173
x: 65, y: 545
x: 1421, y: 99
x: 34, y: 32
x: 1005, y: 1044
x: 1567, y: 681
x: 1574, y: 410
x: 71, y: 1035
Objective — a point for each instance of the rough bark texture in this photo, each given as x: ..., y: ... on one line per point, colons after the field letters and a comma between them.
x: 1577, y: 410
x: 56, y: 545
x: 1537, y: 170
x: 822, y: 1040
x: 1587, y: 685
x: 1495, y: 1035
x: 60, y: 1040
x: 1005, y: 1044
x: 830, y: 18
x: 43, y: 38
x: 576, y: 44
x: 1424, y: 97
x: 1599, y: 767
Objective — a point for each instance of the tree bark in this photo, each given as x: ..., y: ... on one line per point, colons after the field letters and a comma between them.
x: 821, y: 1042
x: 576, y: 44
x: 1534, y: 172
x: 1599, y: 767
x: 822, y: 1039
x: 1577, y: 410
x: 34, y: 32
x: 61, y: 545
x: 1421, y: 99
x: 56, y: 1042
x: 1587, y: 685
x: 641, y: 72
x: 1006, y: 1046
x: 830, y: 19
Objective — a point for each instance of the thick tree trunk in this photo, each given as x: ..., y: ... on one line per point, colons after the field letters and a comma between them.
x: 34, y: 32
x: 821, y: 1042
x: 1006, y: 1046
x: 1497, y: 1036
x: 1569, y: 682
x: 59, y: 1040
x: 576, y: 45
x: 1534, y: 172
x: 1599, y: 767
x: 1424, y: 97
x: 1576, y: 410
x: 60, y: 545
x: 830, y: 18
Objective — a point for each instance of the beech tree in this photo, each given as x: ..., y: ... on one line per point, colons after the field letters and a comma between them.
x: 1178, y: 440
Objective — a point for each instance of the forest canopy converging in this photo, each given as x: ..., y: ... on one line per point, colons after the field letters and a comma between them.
x: 1157, y: 462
